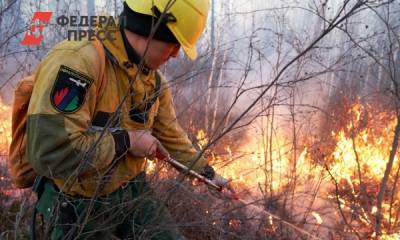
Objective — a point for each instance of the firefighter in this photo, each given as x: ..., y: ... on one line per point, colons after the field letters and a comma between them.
x: 100, y: 192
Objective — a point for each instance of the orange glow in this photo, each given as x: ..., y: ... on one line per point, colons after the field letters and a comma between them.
x: 362, y: 146
x: 371, y: 145
x: 5, y: 128
x: 259, y: 166
x: 202, y: 139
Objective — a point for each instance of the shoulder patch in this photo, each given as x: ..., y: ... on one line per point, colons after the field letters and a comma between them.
x: 69, y: 90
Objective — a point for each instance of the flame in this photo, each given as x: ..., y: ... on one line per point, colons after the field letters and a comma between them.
x: 358, y: 163
x: 317, y: 217
x: 260, y: 166
x: 360, y: 154
x: 5, y: 128
x: 362, y: 146
x: 371, y: 152
x: 395, y: 236
x: 202, y: 138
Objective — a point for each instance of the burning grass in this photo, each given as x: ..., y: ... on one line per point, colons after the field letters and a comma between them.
x: 358, y: 163
x: 327, y: 188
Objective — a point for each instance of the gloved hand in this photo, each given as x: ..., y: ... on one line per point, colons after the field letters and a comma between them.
x: 220, y: 181
x: 143, y: 144
x: 226, y: 186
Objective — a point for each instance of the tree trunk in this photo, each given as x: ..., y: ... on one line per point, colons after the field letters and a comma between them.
x: 90, y: 8
x: 383, y: 185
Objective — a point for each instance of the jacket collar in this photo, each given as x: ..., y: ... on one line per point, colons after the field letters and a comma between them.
x: 133, y: 56
x: 122, y: 51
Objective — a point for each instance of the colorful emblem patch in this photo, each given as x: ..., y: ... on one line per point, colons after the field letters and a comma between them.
x: 69, y: 90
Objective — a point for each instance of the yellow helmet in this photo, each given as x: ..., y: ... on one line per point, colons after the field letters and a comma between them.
x: 190, y: 15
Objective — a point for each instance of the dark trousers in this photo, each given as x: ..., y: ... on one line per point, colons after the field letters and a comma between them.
x: 131, y: 212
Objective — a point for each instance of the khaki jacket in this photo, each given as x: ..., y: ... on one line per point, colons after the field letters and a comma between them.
x: 66, y: 114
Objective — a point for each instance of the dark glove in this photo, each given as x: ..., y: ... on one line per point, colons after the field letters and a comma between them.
x: 208, y: 172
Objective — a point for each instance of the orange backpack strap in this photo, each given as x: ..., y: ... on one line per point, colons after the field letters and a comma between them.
x: 21, y: 171
x: 102, y: 63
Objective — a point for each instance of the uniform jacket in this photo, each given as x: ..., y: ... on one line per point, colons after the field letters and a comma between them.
x: 66, y: 111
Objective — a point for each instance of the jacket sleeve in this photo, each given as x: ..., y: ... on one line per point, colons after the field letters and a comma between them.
x: 171, y: 135
x: 58, y: 135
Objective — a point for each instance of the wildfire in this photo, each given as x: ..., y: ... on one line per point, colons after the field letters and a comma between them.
x: 5, y: 128
x: 357, y: 162
x: 395, y: 236
x: 369, y: 147
x: 254, y: 164
x: 201, y: 138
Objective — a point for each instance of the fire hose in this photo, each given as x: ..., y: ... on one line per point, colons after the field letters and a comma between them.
x: 227, y: 192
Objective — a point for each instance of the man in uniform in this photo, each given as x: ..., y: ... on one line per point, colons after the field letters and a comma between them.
x: 92, y: 149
